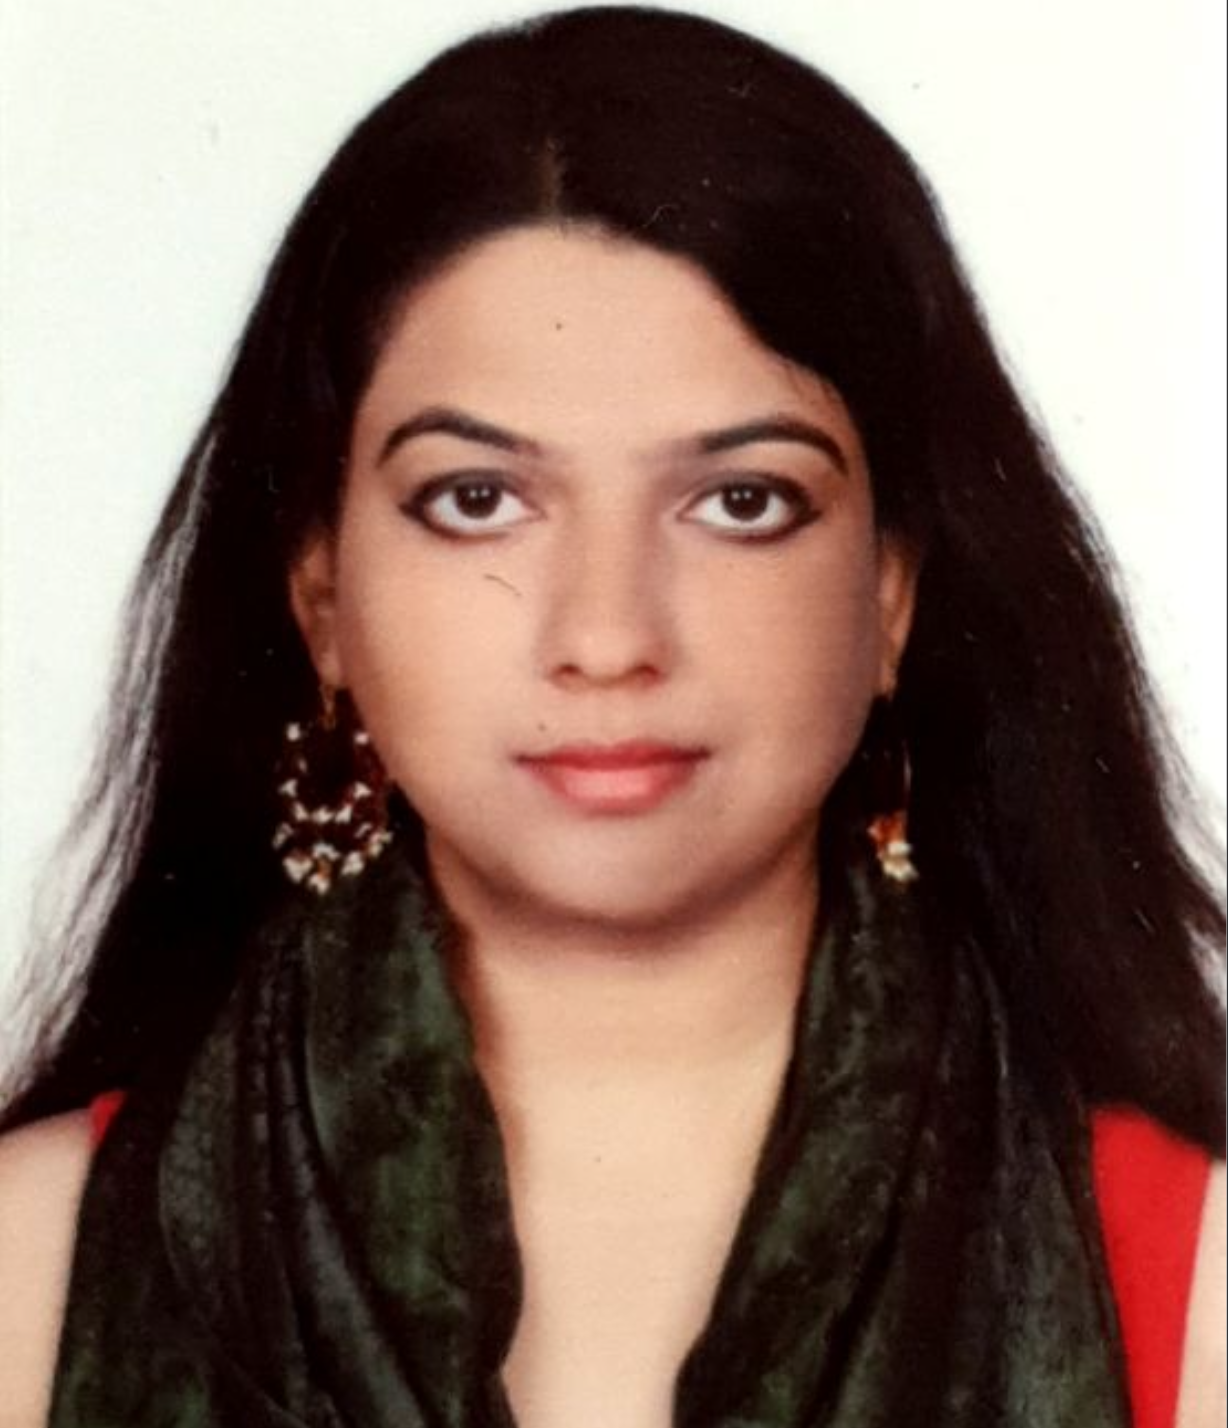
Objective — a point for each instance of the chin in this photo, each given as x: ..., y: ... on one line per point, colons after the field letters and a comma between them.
x: 627, y: 883
x: 624, y: 913
x: 628, y: 886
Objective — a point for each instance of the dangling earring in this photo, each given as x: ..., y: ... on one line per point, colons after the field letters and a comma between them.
x: 889, y: 834
x: 334, y: 797
x: 891, y: 778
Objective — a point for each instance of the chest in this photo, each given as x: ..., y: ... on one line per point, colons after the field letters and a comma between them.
x: 622, y: 1252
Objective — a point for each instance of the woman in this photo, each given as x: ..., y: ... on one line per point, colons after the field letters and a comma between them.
x: 615, y: 549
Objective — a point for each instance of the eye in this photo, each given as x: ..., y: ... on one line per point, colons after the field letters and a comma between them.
x: 471, y: 504
x: 754, y: 508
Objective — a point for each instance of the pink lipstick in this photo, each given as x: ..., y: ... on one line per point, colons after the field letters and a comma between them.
x: 633, y: 777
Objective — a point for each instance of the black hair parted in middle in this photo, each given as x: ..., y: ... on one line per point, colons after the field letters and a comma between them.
x: 1044, y: 790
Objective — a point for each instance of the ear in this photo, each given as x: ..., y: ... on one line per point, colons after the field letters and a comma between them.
x: 313, y: 599
x: 899, y: 565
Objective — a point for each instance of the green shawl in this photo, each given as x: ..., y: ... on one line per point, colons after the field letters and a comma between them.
x: 315, y: 1228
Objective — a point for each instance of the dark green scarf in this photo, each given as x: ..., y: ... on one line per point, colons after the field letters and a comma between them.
x: 316, y: 1230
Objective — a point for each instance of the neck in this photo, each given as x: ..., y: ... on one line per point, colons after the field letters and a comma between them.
x: 562, y: 1005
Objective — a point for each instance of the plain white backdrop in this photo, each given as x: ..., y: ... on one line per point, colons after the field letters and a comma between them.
x: 151, y: 153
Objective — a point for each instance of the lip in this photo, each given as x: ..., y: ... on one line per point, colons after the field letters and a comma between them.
x: 632, y: 777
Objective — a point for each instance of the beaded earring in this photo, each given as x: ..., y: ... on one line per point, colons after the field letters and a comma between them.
x: 890, y: 780
x: 889, y: 834
x: 333, y: 792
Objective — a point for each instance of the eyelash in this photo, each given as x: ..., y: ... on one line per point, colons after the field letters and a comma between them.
x: 803, y: 510
x: 417, y: 507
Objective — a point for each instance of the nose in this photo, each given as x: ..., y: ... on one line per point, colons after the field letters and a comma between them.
x: 606, y: 621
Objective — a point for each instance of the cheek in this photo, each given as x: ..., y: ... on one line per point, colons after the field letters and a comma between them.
x: 422, y: 644
x: 421, y: 706
x: 801, y: 641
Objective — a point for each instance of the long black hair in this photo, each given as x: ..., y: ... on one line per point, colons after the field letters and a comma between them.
x: 1045, y: 795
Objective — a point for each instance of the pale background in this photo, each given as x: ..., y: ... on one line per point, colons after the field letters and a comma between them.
x: 151, y: 152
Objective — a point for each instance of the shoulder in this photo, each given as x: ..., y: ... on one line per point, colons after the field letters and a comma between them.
x: 43, y: 1168
x: 1204, y: 1402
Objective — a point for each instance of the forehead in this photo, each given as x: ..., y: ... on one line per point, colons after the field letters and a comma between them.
x: 576, y: 336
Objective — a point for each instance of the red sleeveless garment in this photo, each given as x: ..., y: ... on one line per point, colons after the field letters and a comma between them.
x: 1150, y: 1188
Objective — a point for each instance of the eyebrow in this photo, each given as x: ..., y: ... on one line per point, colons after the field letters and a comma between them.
x: 449, y: 421
x: 787, y: 429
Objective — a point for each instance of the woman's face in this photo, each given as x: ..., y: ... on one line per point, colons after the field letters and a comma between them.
x: 605, y: 586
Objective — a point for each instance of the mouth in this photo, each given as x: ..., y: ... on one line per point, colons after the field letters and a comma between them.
x: 626, y: 778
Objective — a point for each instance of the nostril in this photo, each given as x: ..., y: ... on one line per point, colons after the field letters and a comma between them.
x: 593, y: 676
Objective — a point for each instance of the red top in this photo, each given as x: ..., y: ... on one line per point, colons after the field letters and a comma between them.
x: 1150, y: 1188
x: 102, y: 1112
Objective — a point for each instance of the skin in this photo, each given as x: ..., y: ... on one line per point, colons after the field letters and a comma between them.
x: 631, y: 976
x: 608, y: 595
